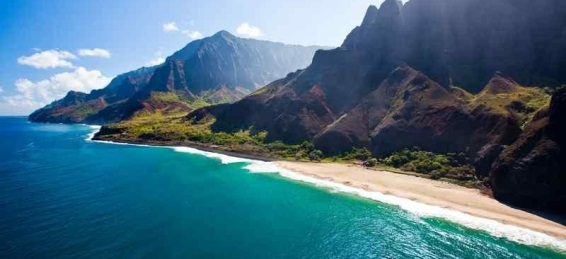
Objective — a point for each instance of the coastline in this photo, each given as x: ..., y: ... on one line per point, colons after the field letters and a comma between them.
x: 421, y: 196
x: 189, y: 144
x: 431, y: 192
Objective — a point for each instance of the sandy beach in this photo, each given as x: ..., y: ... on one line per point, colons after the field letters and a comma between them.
x: 472, y: 208
x: 431, y: 192
x: 426, y: 191
x: 422, y: 196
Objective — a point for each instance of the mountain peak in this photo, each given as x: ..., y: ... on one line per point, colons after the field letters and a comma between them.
x: 193, y: 46
x: 397, y: 4
x: 500, y: 83
x: 390, y: 10
x: 223, y: 34
x: 379, y: 25
x: 370, y: 16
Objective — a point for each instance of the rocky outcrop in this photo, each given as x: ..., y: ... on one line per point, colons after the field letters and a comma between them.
x: 217, y: 69
x: 532, y: 171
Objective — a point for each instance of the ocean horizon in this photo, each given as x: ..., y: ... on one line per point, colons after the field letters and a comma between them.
x: 64, y: 196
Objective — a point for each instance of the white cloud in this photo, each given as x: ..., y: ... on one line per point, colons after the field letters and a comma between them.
x: 33, y: 95
x: 251, y: 31
x: 96, y: 52
x: 171, y: 26
x: 155, y: 62
x: 48, y: 59
x: 1, y: 89
x: 194, y: 35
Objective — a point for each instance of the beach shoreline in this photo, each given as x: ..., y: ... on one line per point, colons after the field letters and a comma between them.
x: 458, y: 204
x: 431, y: 192
x: 189, y: 144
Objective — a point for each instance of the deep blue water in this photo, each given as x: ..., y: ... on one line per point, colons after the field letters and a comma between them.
x: 64, y: 197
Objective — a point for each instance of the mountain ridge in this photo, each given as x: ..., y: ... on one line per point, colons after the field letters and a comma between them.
x: 222, y: 63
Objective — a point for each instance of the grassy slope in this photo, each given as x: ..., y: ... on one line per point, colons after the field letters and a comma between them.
x: 522, y: 102
x: 171, y: 126
x: 158, y: 128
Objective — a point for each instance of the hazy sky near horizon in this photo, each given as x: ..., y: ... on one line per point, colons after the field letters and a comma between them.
x: 50, y: 47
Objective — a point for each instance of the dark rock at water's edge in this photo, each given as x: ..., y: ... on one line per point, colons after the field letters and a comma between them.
x: 532, y: 171
x: 218, y: 69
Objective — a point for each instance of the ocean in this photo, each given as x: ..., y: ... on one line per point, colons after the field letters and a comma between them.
x: 63, y: 196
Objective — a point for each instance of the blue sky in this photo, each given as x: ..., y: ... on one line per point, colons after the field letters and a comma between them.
x: 50, y: 47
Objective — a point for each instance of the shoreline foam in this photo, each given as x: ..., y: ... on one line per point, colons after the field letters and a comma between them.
x: 495, y: 228
x: 95, y: 129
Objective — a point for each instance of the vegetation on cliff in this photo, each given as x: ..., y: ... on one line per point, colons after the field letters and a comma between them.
x: 455, y: 166
x: 158, y: 127
x: 162, y: 128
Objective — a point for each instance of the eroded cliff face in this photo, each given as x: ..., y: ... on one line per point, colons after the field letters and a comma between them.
x: 464, y: 42
x: 460, y: 43
x: 532, y: 171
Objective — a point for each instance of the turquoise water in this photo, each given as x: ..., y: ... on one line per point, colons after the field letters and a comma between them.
x: 64, y: 197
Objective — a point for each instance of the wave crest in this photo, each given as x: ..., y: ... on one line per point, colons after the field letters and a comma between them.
x: 95, y: 129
